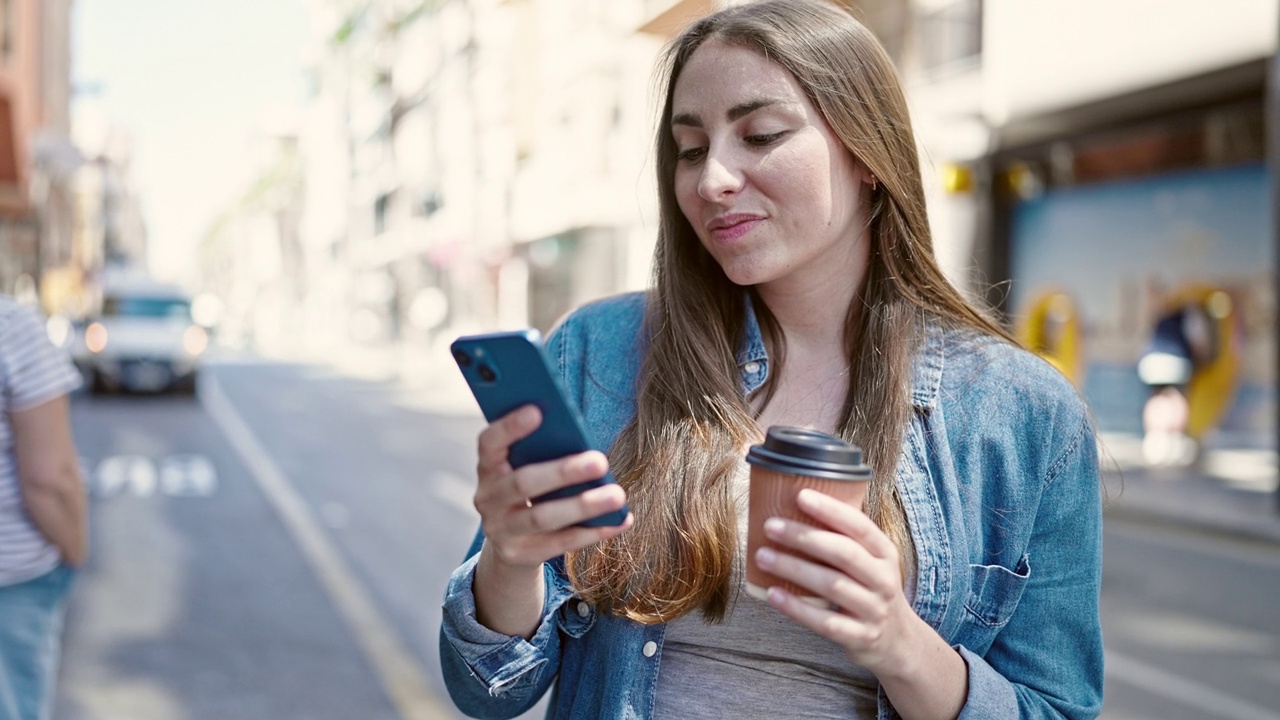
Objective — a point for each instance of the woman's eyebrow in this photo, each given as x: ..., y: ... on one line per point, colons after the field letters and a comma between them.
x: 742, y: 110
x: 737, y: 112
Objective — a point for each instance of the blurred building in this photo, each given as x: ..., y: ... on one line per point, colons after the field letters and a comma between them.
x: 1113, y: 153
x: 252, y: 257
x: 108, y: 236
x: 37, y: 159
x: 473, y: 164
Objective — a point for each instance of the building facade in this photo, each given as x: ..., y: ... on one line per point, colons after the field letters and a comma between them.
x: 471, y: 164
x: 1101, y: 163
x: 37, y: 159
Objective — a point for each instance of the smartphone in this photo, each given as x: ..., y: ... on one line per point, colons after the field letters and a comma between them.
x: 508, y: 370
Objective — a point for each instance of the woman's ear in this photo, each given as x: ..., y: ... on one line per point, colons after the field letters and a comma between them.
x: 868, y: 178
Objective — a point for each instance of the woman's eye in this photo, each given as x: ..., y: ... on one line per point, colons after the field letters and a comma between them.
x: 692, y: 154
x: 761, y: 140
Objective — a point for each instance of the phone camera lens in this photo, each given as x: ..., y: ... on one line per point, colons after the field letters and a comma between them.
x: 486, y: 373
x: 462, y: 357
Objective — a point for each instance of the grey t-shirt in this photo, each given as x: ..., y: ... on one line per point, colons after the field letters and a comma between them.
x: 758, y: 663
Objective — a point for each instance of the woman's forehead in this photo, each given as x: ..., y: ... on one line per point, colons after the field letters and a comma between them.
x: 718, y: 73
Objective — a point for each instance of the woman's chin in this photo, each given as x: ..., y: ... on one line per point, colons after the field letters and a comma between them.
x: 744, y: 275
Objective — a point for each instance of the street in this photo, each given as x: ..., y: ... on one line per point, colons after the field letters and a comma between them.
x: 213, y: 593
x: 277, y: 548
x: 1191, y: 625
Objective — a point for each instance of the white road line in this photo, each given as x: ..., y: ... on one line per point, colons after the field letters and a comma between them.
x: 115, y: 473
x: 1183, y: 691
x: 400, y: 674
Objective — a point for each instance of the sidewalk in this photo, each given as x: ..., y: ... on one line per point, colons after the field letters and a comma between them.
x: 424, y: 377
x: 1233, y: 492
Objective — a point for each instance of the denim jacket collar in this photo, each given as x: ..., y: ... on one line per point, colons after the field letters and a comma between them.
x: 926, y: 375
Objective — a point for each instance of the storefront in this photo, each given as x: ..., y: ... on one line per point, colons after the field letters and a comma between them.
x: 1104, y: 218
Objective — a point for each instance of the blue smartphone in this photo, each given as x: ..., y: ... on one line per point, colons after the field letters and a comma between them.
x: 508, y: 370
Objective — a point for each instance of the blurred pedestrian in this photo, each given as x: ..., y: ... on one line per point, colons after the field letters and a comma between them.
x: 795, y: 285
x: 1183, y: 341
x: 43, y: 525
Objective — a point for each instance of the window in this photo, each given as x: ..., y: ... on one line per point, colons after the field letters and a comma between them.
x: 950, y: 34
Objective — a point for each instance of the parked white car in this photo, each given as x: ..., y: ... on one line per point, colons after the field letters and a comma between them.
x: 143, y: 340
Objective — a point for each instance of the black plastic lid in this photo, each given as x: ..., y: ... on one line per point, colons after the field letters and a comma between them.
x: 802, y: 451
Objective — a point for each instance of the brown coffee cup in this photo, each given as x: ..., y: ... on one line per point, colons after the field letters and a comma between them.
x: 789, y: 460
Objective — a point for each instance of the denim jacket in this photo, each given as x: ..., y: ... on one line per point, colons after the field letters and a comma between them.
x: 999, y: 479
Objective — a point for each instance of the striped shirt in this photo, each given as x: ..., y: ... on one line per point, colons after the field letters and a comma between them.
x: 32, y: 372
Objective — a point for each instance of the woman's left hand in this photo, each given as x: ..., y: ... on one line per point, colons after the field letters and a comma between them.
x: 857, y: 572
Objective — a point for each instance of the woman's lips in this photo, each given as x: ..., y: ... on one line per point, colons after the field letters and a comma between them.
x: 733, y: 227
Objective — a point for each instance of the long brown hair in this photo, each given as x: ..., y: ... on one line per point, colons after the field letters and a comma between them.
x: 677, y: 458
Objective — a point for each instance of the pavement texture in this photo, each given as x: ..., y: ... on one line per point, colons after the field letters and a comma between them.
x: 1229, y: 491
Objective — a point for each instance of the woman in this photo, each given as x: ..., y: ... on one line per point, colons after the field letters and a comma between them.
x: 794, y: 285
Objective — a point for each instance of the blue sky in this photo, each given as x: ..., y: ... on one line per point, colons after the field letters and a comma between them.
x: 191, y: 80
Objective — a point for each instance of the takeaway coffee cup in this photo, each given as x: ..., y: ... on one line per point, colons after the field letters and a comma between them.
x: 789, y: 460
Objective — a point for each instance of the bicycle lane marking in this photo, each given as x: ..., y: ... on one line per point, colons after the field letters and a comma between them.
x: 401, y: 676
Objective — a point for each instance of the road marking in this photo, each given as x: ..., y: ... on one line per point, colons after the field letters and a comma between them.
x: 174, y: 475
x: 187, y: 476
x: 115, y: 472
x: 1183, y: 691
x: 400, y: 674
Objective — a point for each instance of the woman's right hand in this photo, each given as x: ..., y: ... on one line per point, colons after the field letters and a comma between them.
x: 519, y: 534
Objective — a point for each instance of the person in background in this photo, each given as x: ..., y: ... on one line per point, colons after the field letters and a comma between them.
x: 43, y: 523
x: 1182, y: 342
x: 795, y: 285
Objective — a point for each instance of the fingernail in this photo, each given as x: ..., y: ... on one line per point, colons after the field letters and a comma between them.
x: 776, y: 595
x: 765, y: 557
x: 774, y: 526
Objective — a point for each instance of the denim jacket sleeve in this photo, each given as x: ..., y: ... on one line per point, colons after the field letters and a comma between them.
x: 488, y: 674
x: 1047, y: 661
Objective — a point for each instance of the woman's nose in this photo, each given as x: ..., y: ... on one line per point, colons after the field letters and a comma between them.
x: 719, y: 177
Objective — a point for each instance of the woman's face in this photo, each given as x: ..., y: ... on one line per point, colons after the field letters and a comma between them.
x: 771, y: 192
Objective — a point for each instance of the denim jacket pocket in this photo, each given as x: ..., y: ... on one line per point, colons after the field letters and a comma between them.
x: 995, y: 592
x: 577, y: 617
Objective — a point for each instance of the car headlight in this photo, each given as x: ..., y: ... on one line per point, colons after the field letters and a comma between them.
x: 95, y: 337
x: 195, y: 340
x: 59, y: 330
